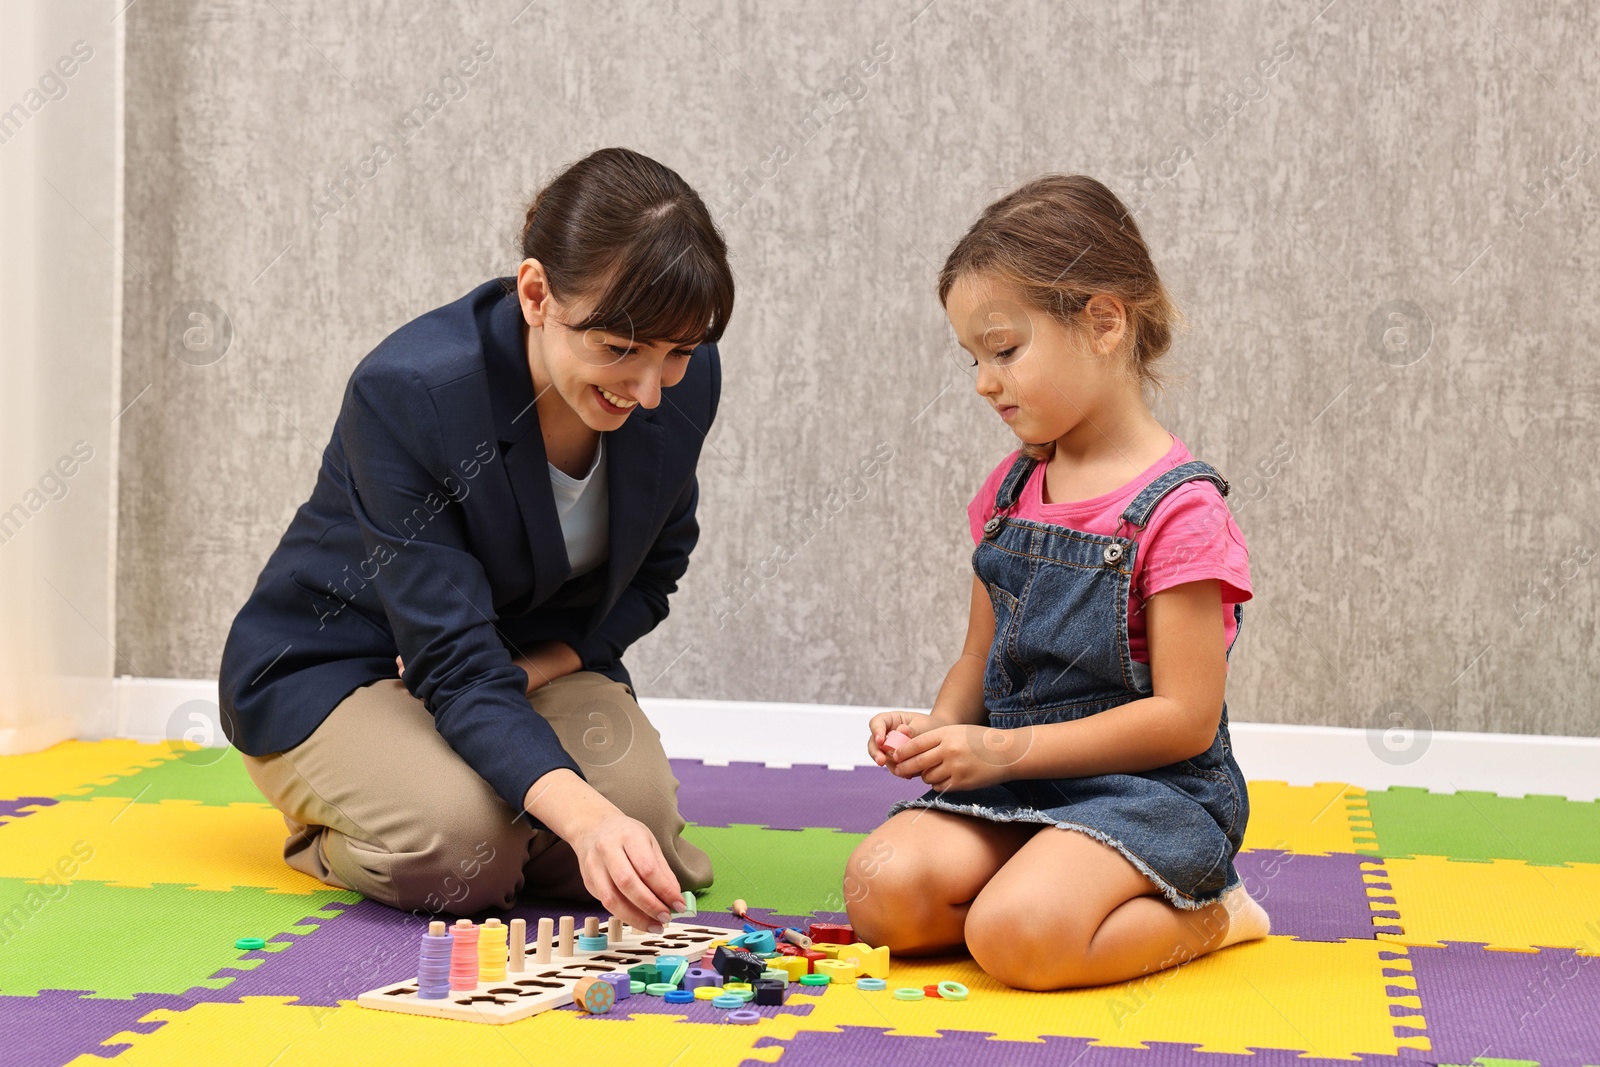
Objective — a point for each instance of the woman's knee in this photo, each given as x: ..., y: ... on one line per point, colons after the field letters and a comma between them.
x: 460, y: 862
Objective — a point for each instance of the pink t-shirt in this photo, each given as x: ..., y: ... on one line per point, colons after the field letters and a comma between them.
x: 1191, y: 535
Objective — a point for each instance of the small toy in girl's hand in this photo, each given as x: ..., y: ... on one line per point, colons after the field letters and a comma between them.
x: 893, y: 740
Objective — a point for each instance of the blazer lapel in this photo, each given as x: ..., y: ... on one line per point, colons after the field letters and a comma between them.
x: 522, y: 445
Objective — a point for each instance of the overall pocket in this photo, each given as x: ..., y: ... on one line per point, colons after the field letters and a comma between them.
x: 998, y: 679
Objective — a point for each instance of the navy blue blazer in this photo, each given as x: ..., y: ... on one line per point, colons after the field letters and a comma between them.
x: 432, y: 533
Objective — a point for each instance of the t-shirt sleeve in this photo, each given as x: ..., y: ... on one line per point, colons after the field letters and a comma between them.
x: 982, y: 504
x: 1192, y: 537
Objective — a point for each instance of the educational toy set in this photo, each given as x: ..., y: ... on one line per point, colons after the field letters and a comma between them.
x: 483, y: 974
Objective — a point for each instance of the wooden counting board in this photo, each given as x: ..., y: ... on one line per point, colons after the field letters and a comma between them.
x: 542, y: 986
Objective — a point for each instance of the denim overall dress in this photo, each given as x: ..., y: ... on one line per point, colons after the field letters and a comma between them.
x: 1061, y: 653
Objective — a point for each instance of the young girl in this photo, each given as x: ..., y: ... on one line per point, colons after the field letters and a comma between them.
x: 1085, y: 807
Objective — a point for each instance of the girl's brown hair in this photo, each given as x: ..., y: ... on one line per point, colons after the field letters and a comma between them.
x: 1059, y: 240
x: 622, y: 228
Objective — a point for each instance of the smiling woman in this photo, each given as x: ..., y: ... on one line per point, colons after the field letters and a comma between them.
x: 510, y: 750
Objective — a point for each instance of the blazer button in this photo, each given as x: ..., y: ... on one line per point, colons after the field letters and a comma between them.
x: 1112, y: 553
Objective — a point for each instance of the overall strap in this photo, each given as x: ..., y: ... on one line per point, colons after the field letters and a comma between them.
x: 1015, y: 479
x: 1137, y: 513
x: 1006, y: 497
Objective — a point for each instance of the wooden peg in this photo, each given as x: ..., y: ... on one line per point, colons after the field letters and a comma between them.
x: 541, y: 948
x: 518, y: 944
x: 591, y: 926
x: 613, y: 930
x: 564, y: 945
x: 436, y: 928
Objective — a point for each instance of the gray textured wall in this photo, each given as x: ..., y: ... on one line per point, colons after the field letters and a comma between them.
x: 1425, y: 171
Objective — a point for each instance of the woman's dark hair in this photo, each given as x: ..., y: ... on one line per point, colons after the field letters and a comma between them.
x: 1059, y: 240
x: 621, y: 228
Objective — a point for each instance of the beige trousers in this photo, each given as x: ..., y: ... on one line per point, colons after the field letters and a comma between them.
x: 376, y: 801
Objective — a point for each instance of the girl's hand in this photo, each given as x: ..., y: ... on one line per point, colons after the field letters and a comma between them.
x: 399, y: 666
x: 962, y: 756
x: 907, y: 722
x: 624, y: 870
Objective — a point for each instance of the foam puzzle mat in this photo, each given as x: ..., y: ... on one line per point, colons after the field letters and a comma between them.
x: 1409, y: 928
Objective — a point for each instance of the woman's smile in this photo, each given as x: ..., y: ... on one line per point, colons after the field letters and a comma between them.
x: 613, y: 404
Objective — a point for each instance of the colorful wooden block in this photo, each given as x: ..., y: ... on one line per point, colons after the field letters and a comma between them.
x: 870, y: 962
x: 839, y: 971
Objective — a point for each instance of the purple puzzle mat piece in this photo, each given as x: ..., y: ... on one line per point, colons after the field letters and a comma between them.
x: 1313, y: 898
x: 974, y: 1048
x: 856, y: 801
x: 15, y: 809
x: 58, y: 1026
x: 1542, y: 1006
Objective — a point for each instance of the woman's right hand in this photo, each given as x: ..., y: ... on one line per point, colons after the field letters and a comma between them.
x: 619, y: 858
x: 909, y: 723
x: 624, y: 870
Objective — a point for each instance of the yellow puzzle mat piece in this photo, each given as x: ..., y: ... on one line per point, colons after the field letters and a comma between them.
x: 1328, y: 999
x: 74, y: 767
x: 1309, y: 820
x: 260, y: 1031
x: 176, y: 842
x: 1506, y: 904
x: 1324, y: 999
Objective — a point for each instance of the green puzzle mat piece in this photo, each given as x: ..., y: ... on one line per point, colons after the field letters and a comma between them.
x: 211, y: 776
x: 1484, y: 826
x: 792, y: 872
x: 117, y: 942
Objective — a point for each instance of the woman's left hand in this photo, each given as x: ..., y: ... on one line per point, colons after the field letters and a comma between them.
x: 962, y: 757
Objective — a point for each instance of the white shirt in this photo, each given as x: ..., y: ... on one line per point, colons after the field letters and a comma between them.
x: 584, y: 508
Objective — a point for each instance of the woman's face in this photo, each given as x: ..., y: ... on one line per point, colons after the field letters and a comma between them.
x: 1041, y: 377
x: 600, y: 374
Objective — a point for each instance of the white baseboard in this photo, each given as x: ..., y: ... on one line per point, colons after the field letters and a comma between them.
x: 781, y: 735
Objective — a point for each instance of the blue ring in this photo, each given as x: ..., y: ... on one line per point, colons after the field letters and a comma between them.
x: 679, y: 996
x: 871, y: 984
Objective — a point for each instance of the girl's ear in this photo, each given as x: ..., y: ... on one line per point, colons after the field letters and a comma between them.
x: 1108, y: 319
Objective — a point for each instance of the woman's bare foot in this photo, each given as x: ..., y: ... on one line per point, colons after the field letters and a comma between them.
x: 1247, y: 920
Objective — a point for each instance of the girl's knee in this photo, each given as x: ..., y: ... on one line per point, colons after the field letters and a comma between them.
x: 891, y: 895
x: 1007, y: 939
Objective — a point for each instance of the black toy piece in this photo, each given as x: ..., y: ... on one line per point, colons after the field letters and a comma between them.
x: 769, y: 991
x: 736, y: 965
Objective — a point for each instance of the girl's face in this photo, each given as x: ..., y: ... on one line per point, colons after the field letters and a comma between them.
x: 1043, y: 378
x: 600, y: 374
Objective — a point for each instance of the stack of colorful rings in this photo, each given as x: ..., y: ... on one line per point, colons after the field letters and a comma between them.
x: 433, y: 969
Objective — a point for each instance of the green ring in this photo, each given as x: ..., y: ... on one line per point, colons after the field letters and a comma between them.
x: 872, y: 985
x: 907, y: 992
x: 250, y: 944
x: 659, y: 989
x: 814, y: 979
x: 636, y: 987
x: 952, y: 990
